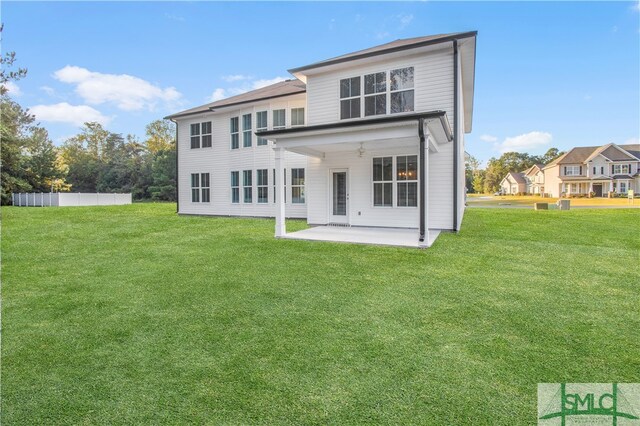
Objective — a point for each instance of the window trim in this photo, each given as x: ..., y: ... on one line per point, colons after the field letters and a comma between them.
x: 246, y: 131
x: 374, y: 94
x: 203, y: 134
x: 298, y: 109
x: 235, y: 187
x: 193, y: 137
x: 412, y: 89
x: 195, y: 187
x: 617, y: 169
x: 205, y: 188
x: 263, y: 186
x: 236, y: 133
x: 350, y: 98
x: 302, y: 186
x: 246, y: 187
x: 575, y: 171
x: 383, y: 182
x: 394, y: 182
x: 264, y: 141
x: 284, y: 116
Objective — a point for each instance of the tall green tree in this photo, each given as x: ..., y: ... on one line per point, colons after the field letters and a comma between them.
x: 160, y: 136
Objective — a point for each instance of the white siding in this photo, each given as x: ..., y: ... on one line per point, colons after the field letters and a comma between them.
x: 220, y: 160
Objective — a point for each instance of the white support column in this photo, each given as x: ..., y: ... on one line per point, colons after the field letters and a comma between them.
x: 426, y: 187
x: 281, y: 228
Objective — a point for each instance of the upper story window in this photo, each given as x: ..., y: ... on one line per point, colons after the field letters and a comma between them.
x: 201, y: 135
x: 375, y: 94
x: 621, y: 169
x: 195, y: 135
x: 572, y: 170
x: 261, y: 124
x: 246, y: 130
x: 401, y: 89
x: 297, y: 116
x: 350, y: 98
x: 279, y: 118
x: 235, y: 133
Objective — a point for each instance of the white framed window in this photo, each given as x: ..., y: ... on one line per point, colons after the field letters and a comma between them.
x: 623, y: 187
x: 297, y: 186
x: 297, y: 116
x: 572, y: 170
x: 200, y: 189
x: 206, y: 134
x: 621, y: 169
x: 375, y: 94
x: 383, y: 181
x: 235, y: 187
x: 407, y: 180
x: 234, y: 128
x: 195, y: 187
x: 279, y: 119
x: 350, y: 98
x: 246, y: 131
x: 401, y: 90
x: 195, y: 135
x: 262, y: 184
x: 247, y: 184
x: 261, y: 125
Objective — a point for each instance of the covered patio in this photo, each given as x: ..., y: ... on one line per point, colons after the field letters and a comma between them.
x: 398, y: 237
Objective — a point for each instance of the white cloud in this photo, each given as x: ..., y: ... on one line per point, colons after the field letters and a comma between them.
x: 488, y: 138
x: 526, y: 142
x: 405, y: 20
x: 66, y: 113
x: 332, y: 24
x: 249, y: 84
x: 173, y: 17
x: 235, y: 77
x: 12, y: 88
x: 632, y: 141
x: 382, y: 34
x: 125, y: 91
x: 48, y: 90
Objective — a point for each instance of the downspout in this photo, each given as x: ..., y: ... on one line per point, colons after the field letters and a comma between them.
x: 422, y: 178
x: 177, y: 179
x: 455, y: 135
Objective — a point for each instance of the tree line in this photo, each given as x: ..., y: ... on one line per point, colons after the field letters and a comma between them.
x: 488, y: 180
x: 94, y: 160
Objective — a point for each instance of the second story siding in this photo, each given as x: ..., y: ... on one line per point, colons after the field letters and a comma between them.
x: 432, y: 84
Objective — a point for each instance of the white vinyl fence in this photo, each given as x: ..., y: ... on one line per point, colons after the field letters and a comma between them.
x: 49, y: 199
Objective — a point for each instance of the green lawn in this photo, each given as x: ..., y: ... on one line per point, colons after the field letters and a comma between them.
x: 133, y: 315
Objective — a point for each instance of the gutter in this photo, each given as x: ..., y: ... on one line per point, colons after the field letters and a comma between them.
x: 455, y: 135
x: 421, y: 176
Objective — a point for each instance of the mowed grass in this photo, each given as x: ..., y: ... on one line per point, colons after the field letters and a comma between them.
x: 487, y: 200
x: 133, y: 315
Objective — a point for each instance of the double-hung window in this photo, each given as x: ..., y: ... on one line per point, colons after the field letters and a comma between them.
x: 297, y: 186
x: 205, y: 189
x: 262, y: 183
x: 297, y: 116
x: 350, y: 98
x: 572, y: 170
x: 235, y: 187
x: 200, y: 186
x: 247, y: 186
x: 621, y: 169
x: 383, y: 181
x: 195, y: 135
x: 235, y: 133
x: 401, y: 90
x: 206, y: 134
x: 246, y: 130
x: 375, y: 94
x: 195, y: 187
x: 407, y: 177
x: 261, y: 125
x: 279, y: 118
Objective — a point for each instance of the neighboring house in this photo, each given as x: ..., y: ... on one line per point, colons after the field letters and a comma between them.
x: 373, y: 138
x: 534, y: 177
x: 513, y: 183
x: 597, y: 169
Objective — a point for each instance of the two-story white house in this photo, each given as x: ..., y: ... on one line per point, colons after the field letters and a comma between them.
x: 371, y: 140
x: 594, y: 169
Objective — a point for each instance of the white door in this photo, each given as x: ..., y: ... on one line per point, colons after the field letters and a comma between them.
x: 339, y: 197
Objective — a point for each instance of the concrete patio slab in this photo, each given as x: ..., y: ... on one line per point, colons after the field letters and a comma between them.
x: 400, y: 237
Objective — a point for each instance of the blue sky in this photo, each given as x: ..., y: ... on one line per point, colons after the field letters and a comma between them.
x: 548, y: 73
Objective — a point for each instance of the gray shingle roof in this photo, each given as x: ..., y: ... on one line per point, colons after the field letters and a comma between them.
x: 400, y: 44
x: 283, y: 88
x: 632, y: 149
x: 614, y: 154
